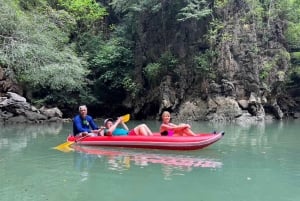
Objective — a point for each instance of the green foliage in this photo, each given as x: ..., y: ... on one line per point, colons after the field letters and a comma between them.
x: 220, y: 3
x: 9, y: 20
x: 226, y: 37
x: 256, y: 12
x: 203, y: 63
x: 166, y: 65
x: 62, y: 19
x: 293, y: 34
x: 113, y: 66
x: 283, y: 54
x: 153, y: 72
x: 295, y: 75
x: 31, y: 4
x: 290, y: 11
x: 88, y: 44
x: 215, y: 28
x: 38, y: 53
x: 39, y: 44
x: 195, y: 9
x: 295, y: 56
x: 87, y: 10
x: 114, y: 54
x: 266, y: 69
x: 269, y: 66
x: 263, y: 12
x: 168, y: 60
x: 130, y: 86
x: 122, y: 7
x: 63, y: 99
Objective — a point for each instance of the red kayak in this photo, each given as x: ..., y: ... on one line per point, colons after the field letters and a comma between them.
x: 152, y: 142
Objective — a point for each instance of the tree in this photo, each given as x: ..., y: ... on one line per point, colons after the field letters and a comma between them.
x: 195, y: 9
x: 38, y: 54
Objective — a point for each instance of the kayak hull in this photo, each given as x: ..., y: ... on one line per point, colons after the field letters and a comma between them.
x: 152, y: 142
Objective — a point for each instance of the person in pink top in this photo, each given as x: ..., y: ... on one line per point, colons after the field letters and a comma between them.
x: 168, y: 128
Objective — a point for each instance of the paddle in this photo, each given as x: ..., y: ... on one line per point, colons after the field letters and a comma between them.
x: 65, y: 147
x: 125, y: 118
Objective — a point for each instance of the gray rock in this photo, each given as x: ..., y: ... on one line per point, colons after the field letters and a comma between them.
x: 247, y: 119
x: 16, y: 97
x: 226, y: 107
x: 51, y: 112
x: 297, y: 115
x: 244, y: 104
x: 4, y: 102
x: 54, y: 119
x: 277, y: 111
x: 193, y: 110
x: 6, y: 115
x: 17, y: 119
x: 15, y: 109
x: 33, y: 116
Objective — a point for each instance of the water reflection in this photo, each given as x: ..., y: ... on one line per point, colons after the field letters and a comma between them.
x: 122, y: 160
x: 17, y: 137
x: 33, y: 129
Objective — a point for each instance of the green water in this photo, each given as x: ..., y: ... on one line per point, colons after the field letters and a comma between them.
x: 259, y: 162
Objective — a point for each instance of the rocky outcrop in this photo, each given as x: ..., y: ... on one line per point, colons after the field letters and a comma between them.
x: 223, y: 105
x: 251, y: 68
x: 15, y: 109
x: 242, y: 79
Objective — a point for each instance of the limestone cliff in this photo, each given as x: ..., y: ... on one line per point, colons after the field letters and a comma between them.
x: 250, y: 68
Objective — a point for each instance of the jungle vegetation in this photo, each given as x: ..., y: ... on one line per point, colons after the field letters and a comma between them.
x: 69, y: 52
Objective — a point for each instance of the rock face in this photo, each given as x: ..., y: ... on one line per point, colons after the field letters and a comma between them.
x: 15, y: 109
x: 250, y: 70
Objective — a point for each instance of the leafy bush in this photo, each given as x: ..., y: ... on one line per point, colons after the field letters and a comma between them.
x: 195, y: 9
x: 204, y: 69
x: 166, y: 65
x: 86, y: 10
x: 113, y: 67
x: 38, y: 53
x: 153, y: 72
x: 293, y: 34
x: 295, y: 57
x: 266, y: 69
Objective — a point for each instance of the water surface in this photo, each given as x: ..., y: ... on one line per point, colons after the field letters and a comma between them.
x: 257, y: 162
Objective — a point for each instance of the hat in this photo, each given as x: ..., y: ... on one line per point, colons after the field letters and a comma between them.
x: 107, y: 120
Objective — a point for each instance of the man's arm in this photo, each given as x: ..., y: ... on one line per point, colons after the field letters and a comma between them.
x: 92, y: 123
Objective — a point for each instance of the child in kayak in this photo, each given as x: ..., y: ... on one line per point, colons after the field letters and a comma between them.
x: 112, y: 128
x: 168, y: 128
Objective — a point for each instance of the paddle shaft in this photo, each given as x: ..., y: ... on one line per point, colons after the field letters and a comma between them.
x: 78, y: 140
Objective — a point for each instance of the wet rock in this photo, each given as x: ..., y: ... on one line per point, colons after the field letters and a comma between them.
x: 297, y: 115
x: 193, y: 110
x: 247, y: 119
x: 17, y: 119
x: 15, y: 97
x: 15, y: 109
x: 225, y: 108
x: 34, y: 116
x: 51, y: 112
x: 244, y: 104
x: 277, y: 111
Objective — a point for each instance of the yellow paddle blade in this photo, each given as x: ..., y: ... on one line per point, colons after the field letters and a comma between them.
x: 64, y: 147
x: 125, y: 118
